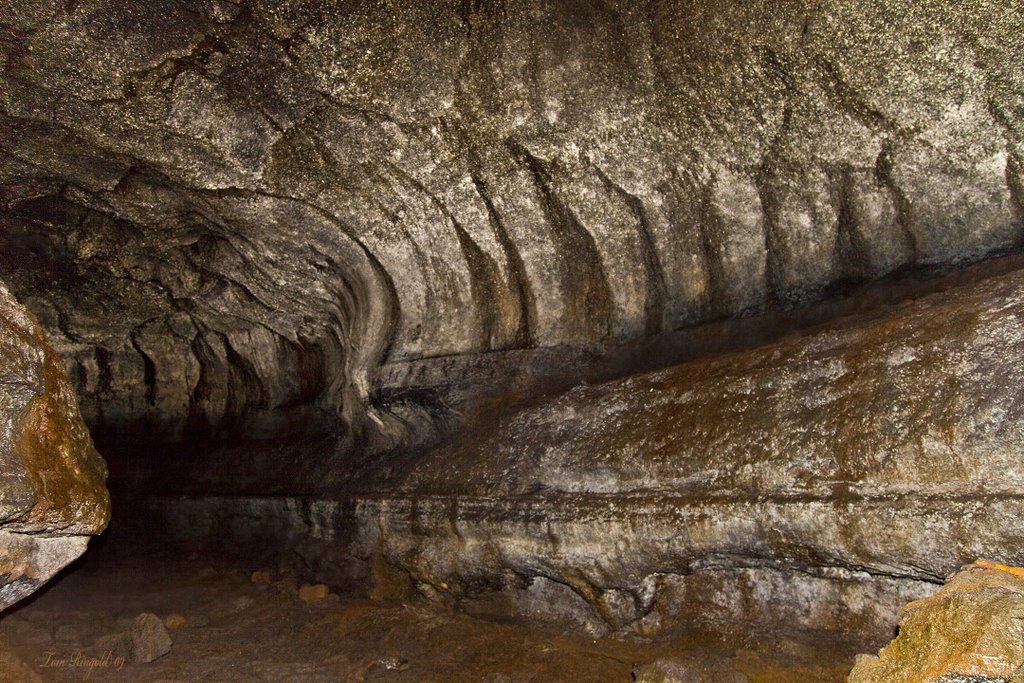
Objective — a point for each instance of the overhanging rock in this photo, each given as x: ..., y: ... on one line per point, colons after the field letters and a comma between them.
x: 52, y: 493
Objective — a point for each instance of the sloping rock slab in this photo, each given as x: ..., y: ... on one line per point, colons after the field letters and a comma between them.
x: 52, y: 493
x: 892, y: 447
x: 819, y: 483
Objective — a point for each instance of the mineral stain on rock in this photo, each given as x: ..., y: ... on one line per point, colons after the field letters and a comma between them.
x: 52, y: 492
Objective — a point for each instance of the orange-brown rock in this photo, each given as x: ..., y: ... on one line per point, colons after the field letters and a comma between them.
x: 971, y: 630
x: 52, y: 493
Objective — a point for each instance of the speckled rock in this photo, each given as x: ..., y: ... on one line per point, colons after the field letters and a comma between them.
x: 971, y: 630
x: 872, y: 458
x: 52, y: 493
x: 149, y: 638
x: 693, y: 670
x: 311, y: 223
x: 817, y: 483
x: 230, y: 216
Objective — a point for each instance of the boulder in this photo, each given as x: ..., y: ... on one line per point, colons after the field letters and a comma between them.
x: 817, y: 482
x: 149, y: 637
x: 971, y: 630
x: 52, y: 491
x: 313, y: 592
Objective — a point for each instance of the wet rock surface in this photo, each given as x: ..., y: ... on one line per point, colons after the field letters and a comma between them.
x: 971, y: 630
x: 52, y: 493
x: 710, y: 669
x: 313, y: 266
x: 231, y: 216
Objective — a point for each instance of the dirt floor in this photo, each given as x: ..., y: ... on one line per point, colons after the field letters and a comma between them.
x: 226, y: 627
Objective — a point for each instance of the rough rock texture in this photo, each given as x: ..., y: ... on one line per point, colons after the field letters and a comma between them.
x: 229, y: 216
x: 971, y: 630
x: 149, y: 638
x: 713, y: 670
x: 52, y: 493
x: 329, y: 227
x: 892, y: 447
x: 818, y: 482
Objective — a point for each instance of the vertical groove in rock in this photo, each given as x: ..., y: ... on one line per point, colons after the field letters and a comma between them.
x: 484, y: 286
x: 584, y: 281
x: 904, y: 210
x: 850, y: 252
x: 522, y: 338
x: 434, y: 162
x: 150, y: 372
x: 1015, y: 181
x: 485, y: 281
x: 656, y: 291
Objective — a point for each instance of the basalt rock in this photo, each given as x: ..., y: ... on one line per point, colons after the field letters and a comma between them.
x: 292, y: 250
x: 52, y: 493
x: 889, y: 448
x: 971, y: 630
x: 815, y: 483
x: 238, y: 220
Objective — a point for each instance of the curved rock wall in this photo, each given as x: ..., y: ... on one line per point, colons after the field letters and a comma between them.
x: 818, y: 482
x: 890, y: 447
x: 229, y: 215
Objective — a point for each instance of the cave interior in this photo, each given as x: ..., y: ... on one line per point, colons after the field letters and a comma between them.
x: 532, y: 340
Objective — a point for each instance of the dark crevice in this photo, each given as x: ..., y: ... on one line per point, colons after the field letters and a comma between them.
x: 485, y: 279
x: 904, y: 210
x: 484, y: 282
x: 848, y: 99
x: 1015, y: 181
x: 149, y: 376
x: 718, y: 299
x: 522, y: 337
x: 851, y: 250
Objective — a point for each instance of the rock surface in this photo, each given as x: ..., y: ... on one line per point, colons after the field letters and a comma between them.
x: 706, y: 670
x: 279, y: 638
x: 311, y: 592
x: 311, y: 223
x: 971, y: 630
x: 52, y: 493
x: 230, y: 220
x: 149, y: 638
x: 819, y: 483
x: 891, y: 447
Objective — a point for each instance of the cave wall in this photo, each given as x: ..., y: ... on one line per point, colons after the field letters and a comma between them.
x: 813, y: 484
x: 52, y: 493
x: 235, y: 219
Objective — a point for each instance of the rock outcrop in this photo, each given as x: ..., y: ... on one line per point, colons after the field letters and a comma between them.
x: 52, y: 493
x: 971, y: 630
x: 818, y: 482
x: 234, y: 218
x: 892, y: 448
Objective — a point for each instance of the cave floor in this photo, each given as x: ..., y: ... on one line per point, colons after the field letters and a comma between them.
x: 238, y: 630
